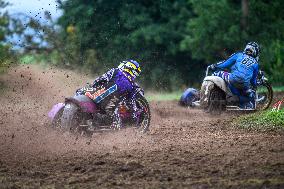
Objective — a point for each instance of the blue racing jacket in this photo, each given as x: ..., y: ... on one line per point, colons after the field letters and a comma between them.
x: 244, y: 69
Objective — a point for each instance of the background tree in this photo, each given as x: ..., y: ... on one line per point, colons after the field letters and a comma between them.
x: 5, y: 53
x: 149, y: 31
x: 174, y: 40
x: 222, y: 27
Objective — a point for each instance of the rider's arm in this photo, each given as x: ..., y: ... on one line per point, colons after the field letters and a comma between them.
x: 228, y: 63
x: 104, y: 78
x: 254, y: 75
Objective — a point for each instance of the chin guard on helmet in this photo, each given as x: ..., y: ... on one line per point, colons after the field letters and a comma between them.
x: 130, y: 67
x: 252, y: 49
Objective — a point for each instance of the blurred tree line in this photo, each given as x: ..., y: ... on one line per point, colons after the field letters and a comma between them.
x: 174, y: 40
x: 5, y: 53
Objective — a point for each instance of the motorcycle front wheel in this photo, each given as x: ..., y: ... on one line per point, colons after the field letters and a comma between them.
x: 264, y: 96
x: 145, y: 115
x: 72, y: 119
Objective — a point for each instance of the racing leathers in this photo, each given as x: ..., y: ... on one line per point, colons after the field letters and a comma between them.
x: 242, y: 79
x: 117, y: 84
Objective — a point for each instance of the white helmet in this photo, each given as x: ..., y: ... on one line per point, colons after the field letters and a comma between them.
x: 252, y: 49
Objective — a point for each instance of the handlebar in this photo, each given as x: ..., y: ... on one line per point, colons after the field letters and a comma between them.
x: 261, y: 74
x: 207, y: 71
x: 262, y: 77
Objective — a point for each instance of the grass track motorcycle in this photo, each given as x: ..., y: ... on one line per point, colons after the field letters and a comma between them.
x: 80, y: 114
x: 215, y: 95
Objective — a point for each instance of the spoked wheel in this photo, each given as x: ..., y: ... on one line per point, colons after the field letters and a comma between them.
x: 72, y: 119
x: 264, y: 96
x: 144, y: 116
x: 217, y: 101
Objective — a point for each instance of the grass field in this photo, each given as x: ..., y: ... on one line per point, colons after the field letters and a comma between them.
x: 278, y: 89
x: 164, y: 96
x: 263, y: 121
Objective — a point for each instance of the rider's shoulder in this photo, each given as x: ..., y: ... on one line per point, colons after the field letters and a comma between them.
x: 236, y: 54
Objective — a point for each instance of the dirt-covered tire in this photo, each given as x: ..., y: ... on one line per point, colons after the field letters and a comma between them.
x: 217, y: 101
x: 145, y: 119
x: 268, y: 95
x: 56, y: 122
x: 71, y: 118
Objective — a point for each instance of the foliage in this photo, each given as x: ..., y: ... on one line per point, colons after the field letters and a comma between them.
x: 174, y: 39
x: 149, y: 31
x: 163, y: 96
x: 278, y: 89
x: 215, y: 32
x: 5, y: 54
x: 34, y: 36
x: 266, y: 121
x: 40, y: 58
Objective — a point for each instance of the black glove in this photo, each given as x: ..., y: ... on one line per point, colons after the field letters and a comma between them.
x: 88, y: 85
x: 98, y: 83
x: 80, y: 91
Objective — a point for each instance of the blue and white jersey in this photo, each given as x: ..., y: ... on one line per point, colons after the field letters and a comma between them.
x: 244, y: 68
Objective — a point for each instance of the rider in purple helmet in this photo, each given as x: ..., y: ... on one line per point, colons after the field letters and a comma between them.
x: 120, y: 82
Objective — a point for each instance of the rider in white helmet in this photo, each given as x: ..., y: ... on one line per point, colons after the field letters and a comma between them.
x: 242, y: 78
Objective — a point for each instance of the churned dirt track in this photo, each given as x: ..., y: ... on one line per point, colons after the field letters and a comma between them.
x: 183, y: 149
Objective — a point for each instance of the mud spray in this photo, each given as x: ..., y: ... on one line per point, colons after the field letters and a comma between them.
x: 184, y: 147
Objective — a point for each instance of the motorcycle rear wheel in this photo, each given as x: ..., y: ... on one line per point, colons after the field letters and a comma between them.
x: 216, y: 102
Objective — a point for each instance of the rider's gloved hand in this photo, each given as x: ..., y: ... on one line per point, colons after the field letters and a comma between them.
x: 213, y: 66
x: 99, y: 83
x: 79, y: 91
x: 88, y: 85
x: 95, y: 84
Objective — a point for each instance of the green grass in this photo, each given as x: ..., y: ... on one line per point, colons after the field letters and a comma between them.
x: 43, y: 59
x: 260, y: 121
x: 264, y: 121
x: 32, y: 59
x: 4, y: 66
x: 163, y: 96
x: 3, y: 69
x: 278, y: 89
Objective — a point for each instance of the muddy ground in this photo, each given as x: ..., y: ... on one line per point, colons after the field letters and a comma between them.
x: 184, y: 148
